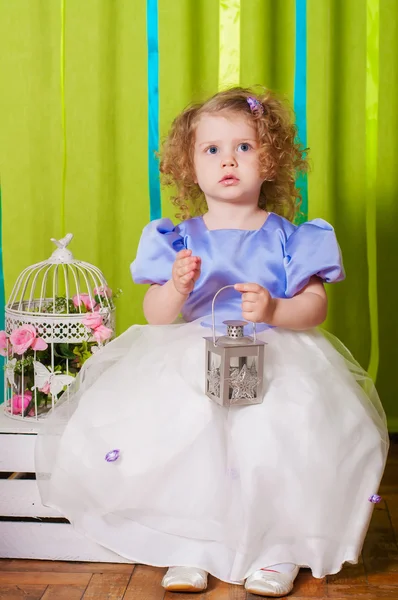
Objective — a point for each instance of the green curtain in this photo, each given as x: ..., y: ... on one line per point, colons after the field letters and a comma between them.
x: 337, y: 47
x: 106, y: 122
x: 107, y: 198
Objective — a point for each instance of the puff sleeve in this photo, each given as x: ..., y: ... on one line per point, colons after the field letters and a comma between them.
x: 312, y: 249
x: 160, y: 241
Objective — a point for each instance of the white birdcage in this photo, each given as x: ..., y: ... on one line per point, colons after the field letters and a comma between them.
x: 59, y: 312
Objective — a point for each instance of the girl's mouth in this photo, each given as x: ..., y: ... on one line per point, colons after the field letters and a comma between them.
x: 228, y: 180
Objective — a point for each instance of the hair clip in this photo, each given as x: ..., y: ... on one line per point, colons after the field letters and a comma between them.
x: 255, y: 105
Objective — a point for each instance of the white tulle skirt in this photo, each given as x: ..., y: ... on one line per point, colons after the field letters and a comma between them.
x: 196, y: 484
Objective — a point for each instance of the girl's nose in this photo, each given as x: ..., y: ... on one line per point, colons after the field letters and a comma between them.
x: 228, y: 161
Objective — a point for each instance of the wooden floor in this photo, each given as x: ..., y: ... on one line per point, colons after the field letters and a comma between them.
x: 375, y: 577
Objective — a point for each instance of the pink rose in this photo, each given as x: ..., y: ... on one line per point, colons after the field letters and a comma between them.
x: 104, y: 291
x: 93, y: 320
x: 102, y: 333
x: 95, y: 323
x: 85, y: 299
x: 25, y: 337
x: 20, y: 402
x: 3, y: 343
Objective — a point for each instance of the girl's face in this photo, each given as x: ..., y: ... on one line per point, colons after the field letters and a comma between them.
x: 226, y: 158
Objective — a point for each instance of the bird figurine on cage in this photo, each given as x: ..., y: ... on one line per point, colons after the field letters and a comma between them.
x: 63, y: 242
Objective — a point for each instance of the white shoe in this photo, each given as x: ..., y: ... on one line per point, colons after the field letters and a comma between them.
x: 185, y: 579
x: 271, y: 583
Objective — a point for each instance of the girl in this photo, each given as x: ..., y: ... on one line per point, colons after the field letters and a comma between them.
x: 250, y: 493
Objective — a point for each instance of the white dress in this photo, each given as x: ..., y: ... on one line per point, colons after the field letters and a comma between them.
x: 226, y: 490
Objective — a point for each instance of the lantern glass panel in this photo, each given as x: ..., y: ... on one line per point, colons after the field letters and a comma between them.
x: 213, y: 379
x: 243, y: 379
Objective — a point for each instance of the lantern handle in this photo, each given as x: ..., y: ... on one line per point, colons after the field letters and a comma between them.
x: 213, y: 317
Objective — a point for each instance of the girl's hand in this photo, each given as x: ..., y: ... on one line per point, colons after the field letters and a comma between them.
x: 258, y: 306
x: 186, y: 271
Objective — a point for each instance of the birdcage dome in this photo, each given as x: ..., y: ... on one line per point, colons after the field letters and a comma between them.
x: 59, y: 313
x: 55, y: 294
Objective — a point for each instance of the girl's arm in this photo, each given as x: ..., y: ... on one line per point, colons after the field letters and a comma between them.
x: 305, y: 310
x: 163, y: 303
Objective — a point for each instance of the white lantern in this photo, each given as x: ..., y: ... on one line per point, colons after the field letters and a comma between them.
x: 59, y: 312
x: 234, y: 365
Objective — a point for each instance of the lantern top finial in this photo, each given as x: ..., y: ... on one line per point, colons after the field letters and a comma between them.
x: 235, y: 329
x: 232, y: 323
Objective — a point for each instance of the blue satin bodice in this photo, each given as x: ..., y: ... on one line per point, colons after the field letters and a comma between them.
x: 279, y: 256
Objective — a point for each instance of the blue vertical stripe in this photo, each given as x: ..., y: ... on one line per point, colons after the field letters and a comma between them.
x: 2, y: 300
x: 300, y: 93
x: 153, y: 108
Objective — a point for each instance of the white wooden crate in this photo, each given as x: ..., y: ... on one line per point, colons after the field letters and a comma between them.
x: 20, y: 500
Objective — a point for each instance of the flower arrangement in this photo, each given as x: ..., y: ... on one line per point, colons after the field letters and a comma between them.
x: 38, y: 372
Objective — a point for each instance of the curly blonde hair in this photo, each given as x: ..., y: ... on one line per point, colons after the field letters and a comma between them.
x: 281, y: 157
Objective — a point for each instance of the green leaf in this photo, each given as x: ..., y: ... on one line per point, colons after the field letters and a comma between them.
x: 63, y: 351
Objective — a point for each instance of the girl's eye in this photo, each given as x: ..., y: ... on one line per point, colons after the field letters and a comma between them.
x: 244, y: 147
x: 212, y: 150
